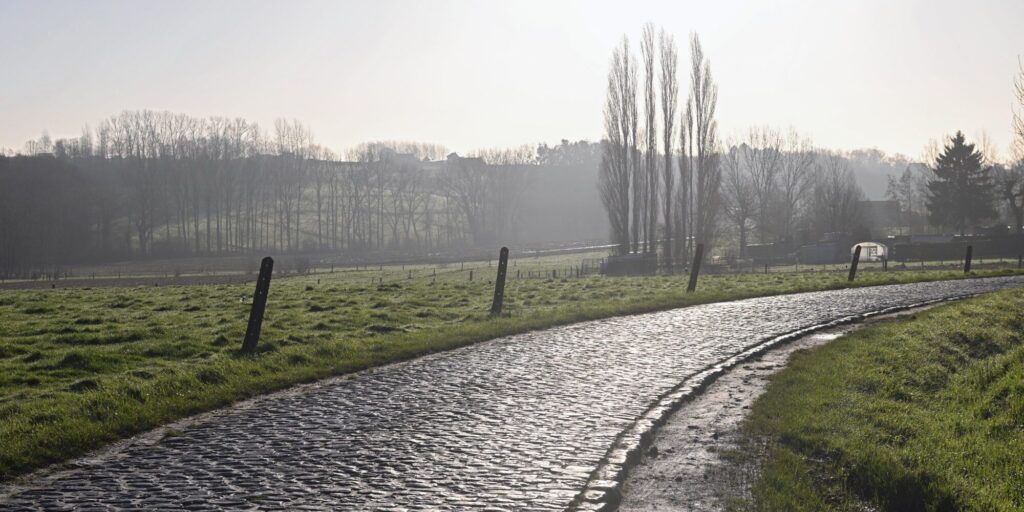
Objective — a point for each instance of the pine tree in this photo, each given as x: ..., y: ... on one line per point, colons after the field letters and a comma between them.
x: 960, y: 194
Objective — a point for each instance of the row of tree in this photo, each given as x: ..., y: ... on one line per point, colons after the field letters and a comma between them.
x: 160, y: 184
x: 638, y: 166
x: 779, y: 188
x: 769, y: 187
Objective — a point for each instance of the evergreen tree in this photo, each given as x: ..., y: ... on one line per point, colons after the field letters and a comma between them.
x: 960, y: 194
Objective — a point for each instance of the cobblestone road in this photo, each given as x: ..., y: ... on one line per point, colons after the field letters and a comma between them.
x: 516, y: 423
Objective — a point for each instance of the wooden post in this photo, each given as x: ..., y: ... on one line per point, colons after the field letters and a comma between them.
x: 499, y: 283
x: 470, y: 274
x: 259, y: 304
x: 698, y: 255
x: 853, y: 264
x: 967, y: 259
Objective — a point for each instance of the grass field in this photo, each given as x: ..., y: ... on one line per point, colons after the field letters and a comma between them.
x: 925, y: 414
x: 82, y: 367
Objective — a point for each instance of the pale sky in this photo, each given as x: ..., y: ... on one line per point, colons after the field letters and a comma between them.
x: 475, y: 74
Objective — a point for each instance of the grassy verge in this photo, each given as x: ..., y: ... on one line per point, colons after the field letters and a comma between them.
x: 82, y: 367
x: 919, y: 414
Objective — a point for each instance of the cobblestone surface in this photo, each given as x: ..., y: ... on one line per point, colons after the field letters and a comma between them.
x: 516, y: 423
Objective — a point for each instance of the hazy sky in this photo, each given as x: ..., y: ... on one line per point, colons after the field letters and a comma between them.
x: 860, y: 73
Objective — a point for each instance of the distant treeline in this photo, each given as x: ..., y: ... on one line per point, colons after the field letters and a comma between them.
x: 157, y: 184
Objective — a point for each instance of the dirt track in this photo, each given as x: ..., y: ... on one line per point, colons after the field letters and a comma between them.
x: 682, y: 470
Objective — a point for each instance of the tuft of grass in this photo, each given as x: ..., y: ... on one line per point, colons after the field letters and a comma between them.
x: 160, y: 354
x: 923, y: 414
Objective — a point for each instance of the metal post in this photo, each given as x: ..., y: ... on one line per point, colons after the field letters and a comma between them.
x: 853, y: 264
x: 259, y: 304
x: 499, y: 283
x: 967, y: 259
x: 698, y: 255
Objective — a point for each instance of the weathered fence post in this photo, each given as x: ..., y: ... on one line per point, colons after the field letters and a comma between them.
x: 853, y: 264
x: 259, y: 304
x: 698, y: 255
x: 967, y: 259
x: 499, y: 283
x: 470, y: 274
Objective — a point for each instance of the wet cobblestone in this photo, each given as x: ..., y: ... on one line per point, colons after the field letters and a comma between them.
x: 518, y: 423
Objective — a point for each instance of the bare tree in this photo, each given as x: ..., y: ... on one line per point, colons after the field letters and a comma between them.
x: 738, y: 193
x: 1018, y: 111
x: 837, y: 196
x: 704, y: 98
x: 619, y: 147
x: 508, y: 174
x: 669, y: 100
x: 909, y: 191
x: 1010, y: 188
x: 795, y: 181
x: 1010, y: 182
x: 764, y: 160
x: 466, y: 181
x: 684, y: 194
x: 649, y: 177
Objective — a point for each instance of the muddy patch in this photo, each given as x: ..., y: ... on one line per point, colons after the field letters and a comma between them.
x: 682, y: 468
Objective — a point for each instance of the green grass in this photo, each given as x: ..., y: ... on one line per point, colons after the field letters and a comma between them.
x: 80, y: 368
x: 925, y: 414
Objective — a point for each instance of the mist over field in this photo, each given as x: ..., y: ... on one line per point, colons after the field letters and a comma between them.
x: 665, y: 154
